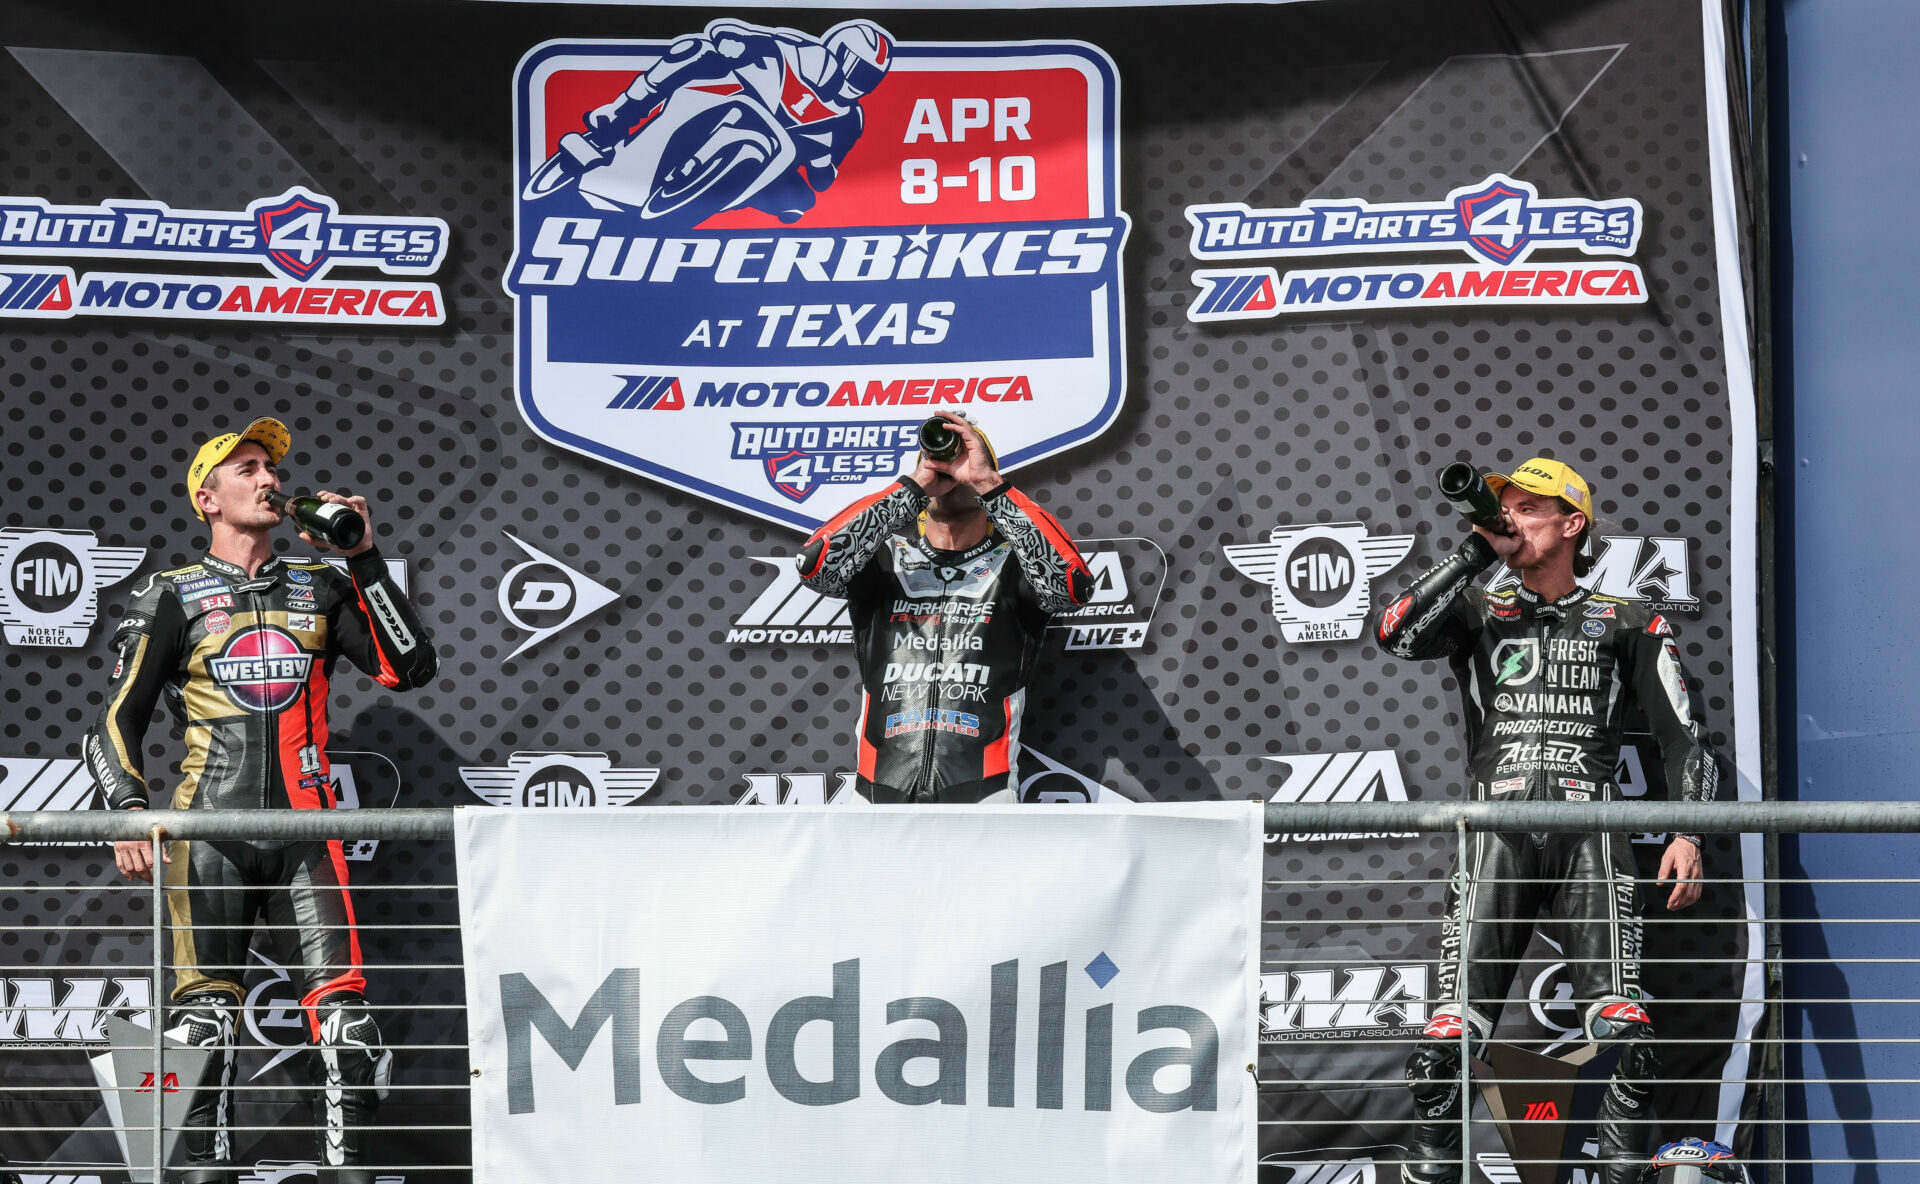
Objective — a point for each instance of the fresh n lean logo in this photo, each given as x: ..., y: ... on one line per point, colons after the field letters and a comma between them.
x: 1497, y: 224
x: 749, y: 261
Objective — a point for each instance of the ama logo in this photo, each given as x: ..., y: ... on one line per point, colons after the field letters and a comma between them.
x: 749, y: 260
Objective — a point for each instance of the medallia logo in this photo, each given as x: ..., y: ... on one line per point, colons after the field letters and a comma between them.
x: 262, y: 669
x: 749, y: 261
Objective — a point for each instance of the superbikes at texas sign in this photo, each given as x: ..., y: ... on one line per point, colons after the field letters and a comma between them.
x: 750, y: 261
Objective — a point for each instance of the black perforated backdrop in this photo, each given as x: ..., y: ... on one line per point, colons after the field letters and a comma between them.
x: 1226, y: 433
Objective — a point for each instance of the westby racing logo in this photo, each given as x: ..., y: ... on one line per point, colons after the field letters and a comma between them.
x: 1632, y: 567
x: 750, y: 260
x: 261, y: 668
x: 559, y: 781
x: 541, y: 596
x: 298, y: 237
x: 50, y: 583
x: 1129, y: 576
x: 1320, y: 575
x: 1498, y: 223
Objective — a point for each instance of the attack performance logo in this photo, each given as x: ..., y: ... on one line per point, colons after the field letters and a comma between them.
x: 1498, y: 224
x: 1320, y: 576
x: 559, y: 781
x: 297, y: 237
x: 748, y: 262
x: 53, y: 578
x: 542, y: 596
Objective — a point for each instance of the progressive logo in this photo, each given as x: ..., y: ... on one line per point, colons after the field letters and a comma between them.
x: 762, y: 248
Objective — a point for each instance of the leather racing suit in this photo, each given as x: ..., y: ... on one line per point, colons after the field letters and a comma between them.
x: 946, y: 640
x: 1546, y: 685
x: 244, y: 664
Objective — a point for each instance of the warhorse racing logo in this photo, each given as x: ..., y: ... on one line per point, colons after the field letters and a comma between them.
x: 748, y: 262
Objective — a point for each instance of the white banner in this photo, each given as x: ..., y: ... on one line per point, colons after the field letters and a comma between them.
x: 708, y: 995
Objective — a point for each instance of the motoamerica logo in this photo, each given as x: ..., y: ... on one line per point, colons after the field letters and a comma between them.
x: 40, y: 1009
x: 1128, y: 576
x: 618, y: 1004
x: 297, y: 237
x: 1339, y: 777
x: 696, y: 236
x: 1498, y: 223
x: 1320, y: 575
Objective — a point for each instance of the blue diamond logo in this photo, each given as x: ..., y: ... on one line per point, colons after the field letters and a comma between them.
x: 1101, y: 970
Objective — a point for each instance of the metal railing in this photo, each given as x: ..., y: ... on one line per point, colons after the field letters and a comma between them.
x: 1764, y: 1042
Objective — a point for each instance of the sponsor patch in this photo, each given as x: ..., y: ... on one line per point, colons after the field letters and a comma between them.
x: 1592, y: 628
x: 1603, y: 612
x: 296, y: 576
x: 218, y: 622
x: 1508, y: 785
x: 301, y: 623
x: 217, y: 600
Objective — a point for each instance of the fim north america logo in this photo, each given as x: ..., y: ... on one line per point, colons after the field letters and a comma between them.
x: 1497, y: 224
x: 750, y: 260
x: 1320, y: 576
x: 559, y: 781
x: 297, y: 237
x: 50, y: 594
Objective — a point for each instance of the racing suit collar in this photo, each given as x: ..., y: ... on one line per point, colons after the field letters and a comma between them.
x: 1558, y: 608
x: 980, y: 548
x: 269, y: 568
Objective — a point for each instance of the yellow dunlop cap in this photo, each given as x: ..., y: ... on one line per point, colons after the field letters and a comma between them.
x: 269, y: 434
x: 1548, y: 478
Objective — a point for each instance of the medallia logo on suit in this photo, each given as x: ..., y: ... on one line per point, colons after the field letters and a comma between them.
x: 749, y: 261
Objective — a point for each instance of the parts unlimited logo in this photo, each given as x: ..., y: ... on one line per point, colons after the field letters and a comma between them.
x: 1320, y: 576
x: 559, y: 781
x: 298, y: 237
x: 748, y: 261
x: 1498, y: 224
x: 52, y: 580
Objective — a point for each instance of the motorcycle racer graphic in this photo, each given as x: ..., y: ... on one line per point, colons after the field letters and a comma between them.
x: 741, y: 116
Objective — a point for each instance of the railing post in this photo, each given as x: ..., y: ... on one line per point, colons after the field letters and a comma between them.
x: 1461, y: 997
x: 159, y: 1022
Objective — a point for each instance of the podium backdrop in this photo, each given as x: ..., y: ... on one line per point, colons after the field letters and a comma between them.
x: 1227, y: 285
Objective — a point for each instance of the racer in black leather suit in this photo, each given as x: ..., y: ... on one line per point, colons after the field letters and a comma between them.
x: 946, y: 639
x: 244, y: 664
x: 1545, y: 684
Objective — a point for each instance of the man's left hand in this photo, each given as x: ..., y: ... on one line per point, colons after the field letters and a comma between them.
x: 971, y: 468
x: 359, y: 506
x: 1681, y: 863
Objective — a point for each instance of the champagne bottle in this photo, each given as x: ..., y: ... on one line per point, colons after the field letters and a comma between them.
x: 938, y: 440
x: 1462, y: 484
x: 330, y: 522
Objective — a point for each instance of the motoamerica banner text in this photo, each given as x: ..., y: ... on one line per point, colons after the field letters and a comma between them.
x: 900, y: 993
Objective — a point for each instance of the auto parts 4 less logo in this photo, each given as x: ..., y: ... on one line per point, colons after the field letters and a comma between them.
x: 748, y: 261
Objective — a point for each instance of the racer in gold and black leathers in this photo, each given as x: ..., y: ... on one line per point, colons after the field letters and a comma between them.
x: 946, y: 640
x: 244, y: 664
x: 1545, y: 686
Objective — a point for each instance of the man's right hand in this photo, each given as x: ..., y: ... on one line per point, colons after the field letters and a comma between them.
x: 134, y: 858
x: 1506, y: 546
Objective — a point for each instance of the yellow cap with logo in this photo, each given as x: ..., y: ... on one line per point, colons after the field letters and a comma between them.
x: 1548, y: 478
x: 268, y: 433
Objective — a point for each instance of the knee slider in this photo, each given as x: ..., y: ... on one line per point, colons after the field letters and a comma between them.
x: 1617, y: 1018
x: 350, y: 1055
x: 206, y: 1020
